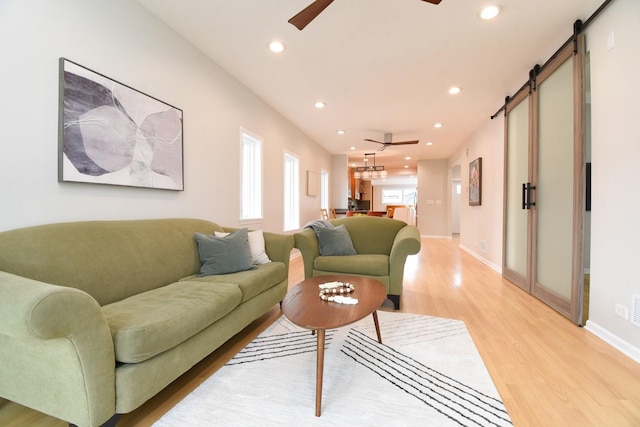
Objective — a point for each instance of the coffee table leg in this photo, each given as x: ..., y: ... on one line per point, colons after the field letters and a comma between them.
x: 319, y: 369
x: 375, y: 322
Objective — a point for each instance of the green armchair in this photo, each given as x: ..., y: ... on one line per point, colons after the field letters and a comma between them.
x: 382, y: 246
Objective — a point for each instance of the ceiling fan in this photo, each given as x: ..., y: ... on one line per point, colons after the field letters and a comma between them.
x: 387, y: 142
x: 309, y: 13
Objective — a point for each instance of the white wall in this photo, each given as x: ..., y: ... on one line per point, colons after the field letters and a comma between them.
x: 615, y: 233
x: 484, y: 222
x: 122, y: 40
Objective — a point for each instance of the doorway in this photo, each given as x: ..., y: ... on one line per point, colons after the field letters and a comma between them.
x: 456, y: 191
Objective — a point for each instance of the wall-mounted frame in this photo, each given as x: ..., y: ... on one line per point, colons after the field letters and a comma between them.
x: 110, y: 133
x: 312, y: 183
x: 475, y: 182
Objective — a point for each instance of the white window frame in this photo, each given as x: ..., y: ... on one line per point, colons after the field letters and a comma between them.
x: 291, y: 194
x: 324, y: 189
x: 251, y: 191
x: 404, y: 192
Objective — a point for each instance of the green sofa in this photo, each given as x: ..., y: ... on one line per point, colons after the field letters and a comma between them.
x: 382, y: 246
x: 97, y: 317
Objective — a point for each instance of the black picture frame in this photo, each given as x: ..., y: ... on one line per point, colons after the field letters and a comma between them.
x: 111, y: 133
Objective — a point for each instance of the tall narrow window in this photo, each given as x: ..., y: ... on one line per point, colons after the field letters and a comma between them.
x: 324, y: 189
x: 291, y: 192
x: 250, y: 176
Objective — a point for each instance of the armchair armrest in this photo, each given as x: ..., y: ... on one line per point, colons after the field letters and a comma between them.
x: 407, y: 242
x: 307, y: 242
x: 56, y: 351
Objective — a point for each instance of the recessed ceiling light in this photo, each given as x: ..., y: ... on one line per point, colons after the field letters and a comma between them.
x: 320, y: 104
x: 437, y: 125
x: 352, y: 147
x: 429, y: 143
x: 407, y: 158
x: 406, y: 166
x: 340, y: 132
x: 454, y: 90
x: 490, y: 12
x: 276, y: 46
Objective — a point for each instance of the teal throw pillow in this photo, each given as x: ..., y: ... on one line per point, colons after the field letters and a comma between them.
x: 222, y: 255
x: 335, y: 241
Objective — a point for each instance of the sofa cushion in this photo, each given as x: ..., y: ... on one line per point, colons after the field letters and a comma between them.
x: 256, y: 245
x: 334, y: 241
x: 227, y: 254
x: 149, y: 323
x: 369, y: 265
x: 110, y: 260
x: 251, y: 283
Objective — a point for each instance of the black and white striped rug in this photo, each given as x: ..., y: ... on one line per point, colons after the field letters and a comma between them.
x: 427, y: 372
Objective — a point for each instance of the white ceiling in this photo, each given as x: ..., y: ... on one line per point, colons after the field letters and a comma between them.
x: 380, y: 65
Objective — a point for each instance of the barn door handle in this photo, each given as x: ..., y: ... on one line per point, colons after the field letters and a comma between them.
x: 530, y: 187
x: 526, y: 195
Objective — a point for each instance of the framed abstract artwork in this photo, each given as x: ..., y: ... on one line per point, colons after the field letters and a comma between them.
x: 312, y: 183
x: 475, y: 182
x: 110, y: 133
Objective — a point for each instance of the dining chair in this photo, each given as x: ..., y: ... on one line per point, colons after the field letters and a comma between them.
x: 390, y: 211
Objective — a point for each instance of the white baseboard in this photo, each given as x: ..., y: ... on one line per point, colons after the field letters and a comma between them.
x: 481, y: 259
x: 613, y: 340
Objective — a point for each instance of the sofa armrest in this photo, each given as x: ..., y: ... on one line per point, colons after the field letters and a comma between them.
x: 278, y: 246
x: 307, y: 243
x: 56, y: 351
x: 407, y: 242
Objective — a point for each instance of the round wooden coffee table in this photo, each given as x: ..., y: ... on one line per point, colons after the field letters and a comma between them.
x: 302, y: 305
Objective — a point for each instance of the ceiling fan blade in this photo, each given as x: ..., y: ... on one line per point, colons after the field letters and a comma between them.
x: 404, y: 142
x: 309, y: 13
x: 433, y: 1
x: 377, y: 142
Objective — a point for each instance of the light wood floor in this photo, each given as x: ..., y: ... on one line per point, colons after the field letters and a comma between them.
x: 548, y: 371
